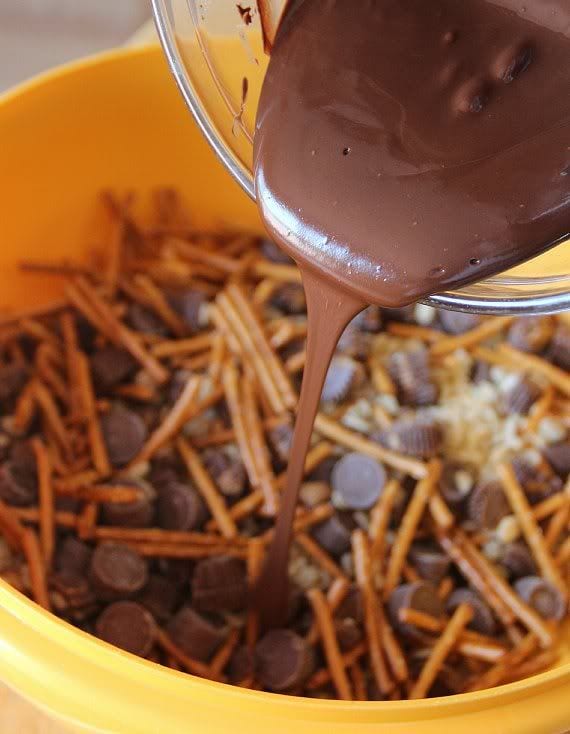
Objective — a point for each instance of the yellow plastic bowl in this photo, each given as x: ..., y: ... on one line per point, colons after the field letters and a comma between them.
x: 117, y: 121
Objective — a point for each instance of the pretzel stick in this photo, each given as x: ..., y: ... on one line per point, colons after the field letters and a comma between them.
x: 46, y: 501
x: 535, y: 665
x: 25, y: 408
x: 155, y: 299
x: 381, y: 380
x: 363, y: 579
x: 33, y: 554
x: 218, y: 318
x: 195, y: 667
x: 49, y: 375
x: 68, y: 484
x: 82, y: 304
x: 336, y: 594
x: 109, y: 494
x: 550, y: 505
x: 504, y: 592
x: 255, y: 558
x: 259, y: 449
x: 280, y: 273
x: 531, y: 362
x: 559, y: 521
x: 172, y: 423
x: 97, y: 444
x: 449, y: 637
x: 231, y: 392
x: 499, y: 672
x: 52, y: 416
x: 304, y: 520
x: 530, y: 529
x: 39, y: 332
x: 329, y: 642
x: 207, y: 488
x: 86, y: 521
x: 198, y: 254
x: 358, y: 682
x: 192, y: 345
x: 563, y: 554
x: 263, y: 291
x: 119, y: 333
x: 392, y: 648
x: 445, y: 588
x: 167, y: 537
x: 32, y: 312
x: 319, y: 555
x: 440, y: 512
x: 379, y: 521
x: 32, y: 514
x: 249, y: 316
x: 411, y: 331
x: 223, y: 655
x: 71, y: 350
x: 11, y: 527
x: 408, y: 525
x: 471, y: 338
x: 296, y: 362
x: 323, y: 676
x: 249, y: 348
x: 217, y: 357
x: 334, y: 431
x: 540, y: 409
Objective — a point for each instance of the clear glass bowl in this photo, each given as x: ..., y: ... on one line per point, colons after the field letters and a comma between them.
x: 212, y: 50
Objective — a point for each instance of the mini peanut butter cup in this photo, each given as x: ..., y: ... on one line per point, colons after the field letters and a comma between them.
x: 290, y: 298
x: 72, y: 556
x: 352, y: 606
x: 456, y: 322
x: 160, y: 597
x: 228, y: 472
x: 127, y: 625
x: 531, y: 334
x: 558, y: 456
x: 522, y: 396
x: 334, y: 534
x: 219, y: 584
x: 410, y: 371
x: 188, y: 304
x: 559, y: 347
x: 280, y: 439
x: 196, y: 635
x: 483, y: 620
x: 340, y: 378
x: 431, y: 563
x: 422, y: 438
x: 488, y: 505
x: 117, y: 571
x: 357, y: 481
x: 18, y: 485
x: 517, y: 559
x: 284, y: 660
x: 146, y: 321
x: 180, y: 507
x: 542, y: 596
x: 348, y: 633
x: 124, y: 433
x: 137, y: 514
x: 421, y: 596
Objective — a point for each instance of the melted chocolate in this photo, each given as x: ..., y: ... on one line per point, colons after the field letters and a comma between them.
x: 402, y: 148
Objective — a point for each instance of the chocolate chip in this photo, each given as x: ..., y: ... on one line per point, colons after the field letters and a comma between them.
x: 160, y: 596
x: 422, y: 438
x: 241, y: 665
x: 284, y: 660
x: 180, y: 507
x: 124, y: 433
x: 281, y: 438
x: 197, y: 636
x: 430, y: 562
x: 357, y: 481
x: 18, y: 486
x: 110, y: 366
x: 481, y: 372
x: 145, y: 321
x: 483, y: 620
x: 340, y: 378
x: 72, y: 596
x: 228, y: 472
x: 517, y: 560
x: 352, y: 606
x: 219, y: 584
x: 137, y: 514
x: 456, y: 483
x: 72, y: 556
x: 127, y: 625
x: 522, y: 396
x: 117, y: 571
x: 275, y: 254
x: 457, y: 322
x: 542, y: 596
x: 559, y: 348
x: 12, y: 379
x: 531, y: 334
x: 421, y: 596
x: 290, y: 298
x: 188, y: 304
x: 348, y: 633
x: 334, y: 534
x: 410, y: 372
x: 558, y: 456
x: 488, y: 505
